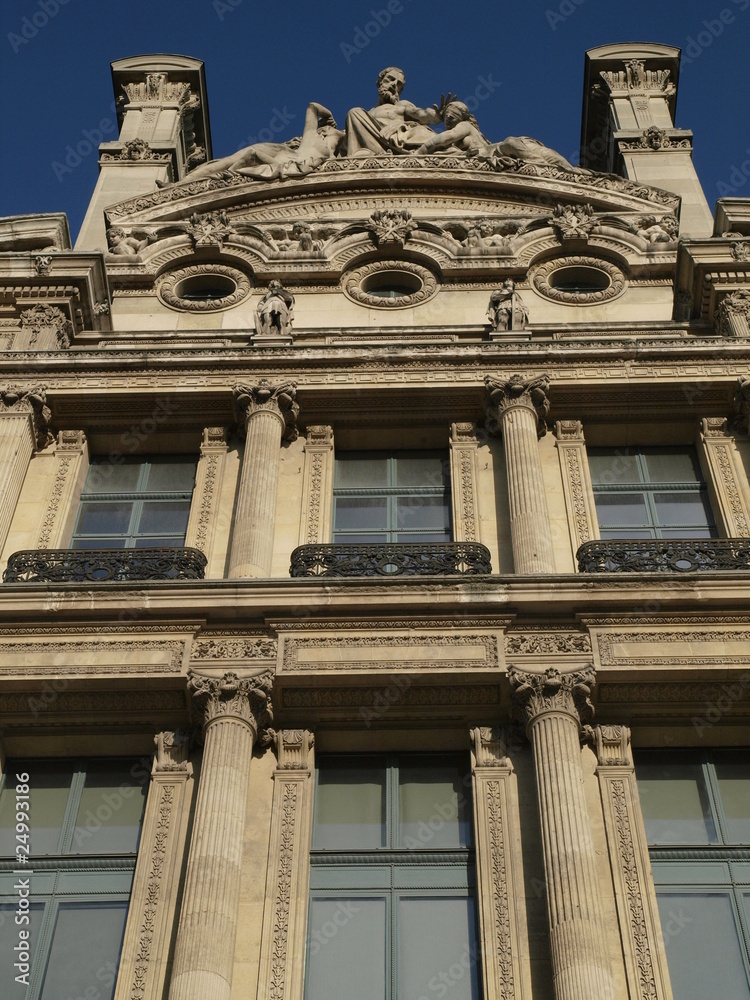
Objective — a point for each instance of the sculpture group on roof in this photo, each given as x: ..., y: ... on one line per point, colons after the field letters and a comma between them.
x: 394, y: 127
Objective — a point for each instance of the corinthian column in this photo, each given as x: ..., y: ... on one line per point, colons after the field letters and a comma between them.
x: 234, y: 711
x: 24, y: 426
x: 517, y: 409
x: 267, y: 414
x: 553, y: 706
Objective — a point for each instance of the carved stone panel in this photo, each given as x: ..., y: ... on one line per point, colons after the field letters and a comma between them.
x: 635, y: 899
x: 71, y: 463
x: 317, y: 488
x: 204, y: 509
x: 463, y: 458
x: 284, y: 919
x: 576, y: 480
x: 726, y: 477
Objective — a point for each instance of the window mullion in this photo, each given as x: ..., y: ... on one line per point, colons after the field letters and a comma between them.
x: 67, y: 827
x: 714, y: 795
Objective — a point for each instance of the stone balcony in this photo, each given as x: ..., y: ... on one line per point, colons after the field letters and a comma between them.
x: 391, y: 559
x: 664, y: 555
x: 104, y: 565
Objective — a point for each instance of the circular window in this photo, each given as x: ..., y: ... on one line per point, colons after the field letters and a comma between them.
x: 203, y: 287
x: 390, y: 284
x: 578, y: 280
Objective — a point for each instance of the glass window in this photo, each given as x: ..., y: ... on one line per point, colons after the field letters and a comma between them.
x: 401, y: 496
x: 84, y: 818
x: 139, y: 502
x: 696, y: 810
x: 392, y: 904
x: 650, y: 493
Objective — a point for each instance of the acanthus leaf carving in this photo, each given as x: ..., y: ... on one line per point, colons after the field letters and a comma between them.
x: 278, y: 399
x: 501, y: 394
x: 231, y: 696
x: 569, y: 693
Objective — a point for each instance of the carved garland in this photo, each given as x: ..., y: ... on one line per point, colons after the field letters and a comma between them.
x: 575, y: 480
x: 352, y: 284
x: 729, y: 482
x: 207, y: 501
x: 315, y: 499
x: 467, y: 496
x: 501, y: 903
x: 153, y: 892
x: 166, y: 285
x: 53, y: 506
x: 282, y: 902
x: 541, y: 274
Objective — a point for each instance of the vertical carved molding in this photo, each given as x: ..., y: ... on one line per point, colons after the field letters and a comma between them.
x: 464, y: 494
x: 576, y: 480
x: 235, y: 711
x: 317, y: 488
x: 24, y: 428
x: 70, y: 451
x: 637, y: 911
x: 151, y: 916
x: 726, y: 477
x: 281, y: 975
x: 268, y: 415
x: 502, y: 918
x: 553, y: 705
x: 204, y: 509
x: 517, y: 409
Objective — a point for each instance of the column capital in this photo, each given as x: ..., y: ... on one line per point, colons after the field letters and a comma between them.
x: 489, y: 746
x: 172, y: 749
x: 293, y: 748
x: 231, y: 696
x: 611, y: 744
x: 264, y: 397
x: 15, y: 399
x: 503, y: 394
x: 552, y: 692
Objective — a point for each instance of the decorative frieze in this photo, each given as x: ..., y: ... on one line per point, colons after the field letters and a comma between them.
x: 540, y: 641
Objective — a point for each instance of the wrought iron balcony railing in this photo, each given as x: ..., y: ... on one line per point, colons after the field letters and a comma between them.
x: 101, y: 565
x: 664, y: 555
x: 437, y: 559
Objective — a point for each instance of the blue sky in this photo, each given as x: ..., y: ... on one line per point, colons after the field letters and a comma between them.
x: 263, y: 64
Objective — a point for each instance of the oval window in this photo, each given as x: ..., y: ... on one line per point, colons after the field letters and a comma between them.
x: 579, y: 280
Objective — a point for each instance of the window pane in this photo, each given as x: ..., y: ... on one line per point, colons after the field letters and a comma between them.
x: 98, y: 543
x: 85, y: 950
x: 359, y: 538
x: 362, y: 513
x: 733, y: 776
x: 102, y: 518
x: 160, y: 542
x: 346, y: 951
x: 626, y: 533
x: 618, y: 510
x: 686, y: 533
x: 675, y: 803
x: 674, y: 509
x: 108, y: 477
x: 423, y: 470
x: 164, y: 517
x: 350, y: 805
x: 111, y: 809
x: 49, y: 789
x: 423, y: 512
x: 611, y: 467
x: 672, y: 466
x: 423, y: 537
x: 433, y: 804
x: 355, y: 470
x: 171, y: 475
x: 9, y: 939
x: 703, y: 950
x: 437, y: 944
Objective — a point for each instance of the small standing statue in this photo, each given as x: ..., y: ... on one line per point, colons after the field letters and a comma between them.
x: 275, y: 312
x: 506, y: 310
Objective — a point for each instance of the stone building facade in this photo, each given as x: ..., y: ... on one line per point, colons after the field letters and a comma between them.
x: 484, y: 737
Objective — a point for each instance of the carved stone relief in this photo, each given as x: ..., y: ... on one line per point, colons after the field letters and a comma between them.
x: 69, y: 453
x: 464, y: 487
x: 317, y: 488
x: 209, y: 477
x: 727, y: 477
x: 576, y: 479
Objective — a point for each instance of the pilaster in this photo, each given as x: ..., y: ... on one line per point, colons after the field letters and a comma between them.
x: 637, y: 910
x: 502, y: 917
x: 726, y: 477
x: 317, y: 488
x: 285, y: 916
x: 517, y: 409
x: 554, y: 705
x: 151, y: 917
x: 209, y: 476
x: 463, y: 458
x: 234, y: 712
x: 267, y: 414
x: 576, y: 480
x: 24, y: 428
x: 71, y: 464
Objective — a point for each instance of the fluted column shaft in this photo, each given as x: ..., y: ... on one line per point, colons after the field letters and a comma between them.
x: 268, y: 415
x: 24, y: 421
x: 551, y: 703
x: 234, y: 711
x: 516, y: 409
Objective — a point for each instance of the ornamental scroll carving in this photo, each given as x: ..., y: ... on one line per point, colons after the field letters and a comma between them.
x: 230, y: 696
x: 733, y: 314
x: 279, y: 399
x: 502, y: 394
x: 611, y: 744
x: 15, y: 399
x: 45, y: 317
x: 293, y: 748
x: 552, y: 691
x: 464, y: 445
x: 172, y: 749
x: 490, y: 744
x: 318, y: 486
